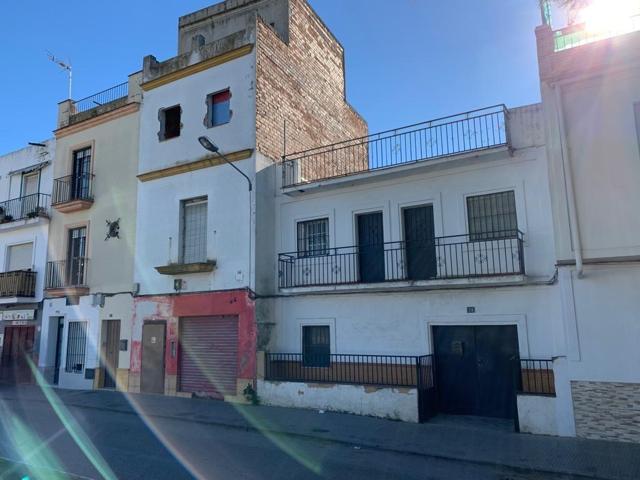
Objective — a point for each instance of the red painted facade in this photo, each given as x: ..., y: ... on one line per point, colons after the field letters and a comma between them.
x: 171, y: 308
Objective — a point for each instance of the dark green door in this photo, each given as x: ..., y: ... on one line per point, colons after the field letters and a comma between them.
x: 474, y: 373
x: 371, y: 247
x: 419, y: 237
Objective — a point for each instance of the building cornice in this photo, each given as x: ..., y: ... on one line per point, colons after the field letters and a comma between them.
x: 206, y: 162
x: 95, y: 121
x: 197, y: 67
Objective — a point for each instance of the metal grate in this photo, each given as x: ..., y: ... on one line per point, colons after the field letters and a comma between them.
x: 313, y: 237
x: 100, y: 98
x: 492, y: 216
x: 76, y: 347
x: 194, y: 230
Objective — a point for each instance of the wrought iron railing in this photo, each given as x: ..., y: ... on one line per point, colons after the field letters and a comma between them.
x: 356, y: 369
x: 30, y: 206
x: 579, y: 34
x: 72, y: 187
x: 67, y: 273
x: 535, y: 377
x: 18, y: 283
x: 449, y: 257
x: 101, y: 98
x: 466, y: 132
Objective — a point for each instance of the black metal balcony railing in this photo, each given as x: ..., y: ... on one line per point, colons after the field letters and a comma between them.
x: 67, y: 273
x: 100, y: 98
x: 390, y: 370
x: 29, y: 206
x: 466, y: 132
x: 72, y: 187
x: 450, y: 257
x: 535, y: 377
x: 19, y: 283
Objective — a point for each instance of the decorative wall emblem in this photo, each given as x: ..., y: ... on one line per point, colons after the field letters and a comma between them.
x: 113, y: 229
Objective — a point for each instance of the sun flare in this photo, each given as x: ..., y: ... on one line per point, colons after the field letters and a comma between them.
x: 611, y: 16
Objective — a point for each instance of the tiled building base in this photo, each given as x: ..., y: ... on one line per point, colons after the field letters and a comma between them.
x: 607, y: 410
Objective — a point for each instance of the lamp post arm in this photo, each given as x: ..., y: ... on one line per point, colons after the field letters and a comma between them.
x: 237, y: 169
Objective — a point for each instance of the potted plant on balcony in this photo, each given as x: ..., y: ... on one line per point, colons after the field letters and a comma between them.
x: 37, y: 212
x: 4, y: 218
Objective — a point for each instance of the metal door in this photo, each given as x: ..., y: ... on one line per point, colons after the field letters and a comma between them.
x: 58, y: 359
x: 419, y: 238
x: 17, y: 348
x: 371, y: 247
x: 109, y: 351
x: 209, y: 355
x: 153, y: 349
x: 473, y: 369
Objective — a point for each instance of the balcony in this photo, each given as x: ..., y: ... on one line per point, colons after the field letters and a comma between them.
x: 73, y: 193
x: 19, y: 283
x: 464, y: 133
x: 579, y: 34
x: 456, y: 257
x: 99, y: 103
x: 22, y: 208
x: 67, y: 277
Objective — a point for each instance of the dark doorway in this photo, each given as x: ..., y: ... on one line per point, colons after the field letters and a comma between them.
x: 16, y: 349
x: 474, y: 369
x: 371, y: 247
x: 58, y: 357
x: 420, y: 244
x: 80, y: 181
x: 109, y: 351
x: 153, y: 347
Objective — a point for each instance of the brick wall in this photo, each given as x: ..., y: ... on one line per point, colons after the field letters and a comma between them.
x: 302, y: 82
x: 607, y: 410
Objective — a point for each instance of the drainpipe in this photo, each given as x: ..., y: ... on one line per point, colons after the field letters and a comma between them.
x: 568, y: 180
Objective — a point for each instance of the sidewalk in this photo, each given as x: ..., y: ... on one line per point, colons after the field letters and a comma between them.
x: 458, y: 440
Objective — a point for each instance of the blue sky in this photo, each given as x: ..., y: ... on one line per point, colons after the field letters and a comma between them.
x: 407, y: 60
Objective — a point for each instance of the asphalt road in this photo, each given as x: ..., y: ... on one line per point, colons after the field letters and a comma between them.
x: 123, y: 445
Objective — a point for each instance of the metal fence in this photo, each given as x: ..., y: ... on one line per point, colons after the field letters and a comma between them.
x: 465, y: 132
x: 67, y: 273
x: 536, y: 377
x: 76, y: 347
x: 29, y: 206
x: 389, y: 370
x: 72, y: 187
x: 101, y: 98
x: 448, y: 257
x: 18, y: 283
x: 577, y: 35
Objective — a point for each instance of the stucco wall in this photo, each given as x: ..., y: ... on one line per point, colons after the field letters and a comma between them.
x: 391, y: 403
x: 114, y: 164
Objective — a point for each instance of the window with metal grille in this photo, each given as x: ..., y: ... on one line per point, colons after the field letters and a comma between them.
x: 492, y: 216
x: 313, y: 237
x: 170, y: 122
x: 316, y: 346
x: 76, y: 347
x: 194, y: 231
x: 218, y: 108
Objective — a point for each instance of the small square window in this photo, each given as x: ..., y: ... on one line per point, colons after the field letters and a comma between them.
x: 316, y: 346
x: 218, y: 108
x: 313, y: 238
x: 170, y: 122
x: 492, y: 216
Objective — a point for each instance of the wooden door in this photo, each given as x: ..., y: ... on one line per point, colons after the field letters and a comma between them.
x: 109, y: 351
x: 371, y: 247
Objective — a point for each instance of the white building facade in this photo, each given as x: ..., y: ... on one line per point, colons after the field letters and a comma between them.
x: 25, y: 189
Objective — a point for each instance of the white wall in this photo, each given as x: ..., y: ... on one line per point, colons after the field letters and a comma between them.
x: 391, y: 403
x: 158, y: 218
x: 84, y: 311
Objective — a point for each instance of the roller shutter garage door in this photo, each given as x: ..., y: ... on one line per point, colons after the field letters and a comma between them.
x: 209, y: 355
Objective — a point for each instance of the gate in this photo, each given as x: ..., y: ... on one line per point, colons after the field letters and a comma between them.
x: 426, y: 384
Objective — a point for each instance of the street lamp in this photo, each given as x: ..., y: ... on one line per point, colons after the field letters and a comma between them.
x: 212, y: 147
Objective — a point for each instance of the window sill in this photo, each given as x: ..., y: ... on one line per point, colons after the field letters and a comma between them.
x: 182, y: 268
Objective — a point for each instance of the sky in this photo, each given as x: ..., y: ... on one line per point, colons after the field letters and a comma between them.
x: 406, y: 60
